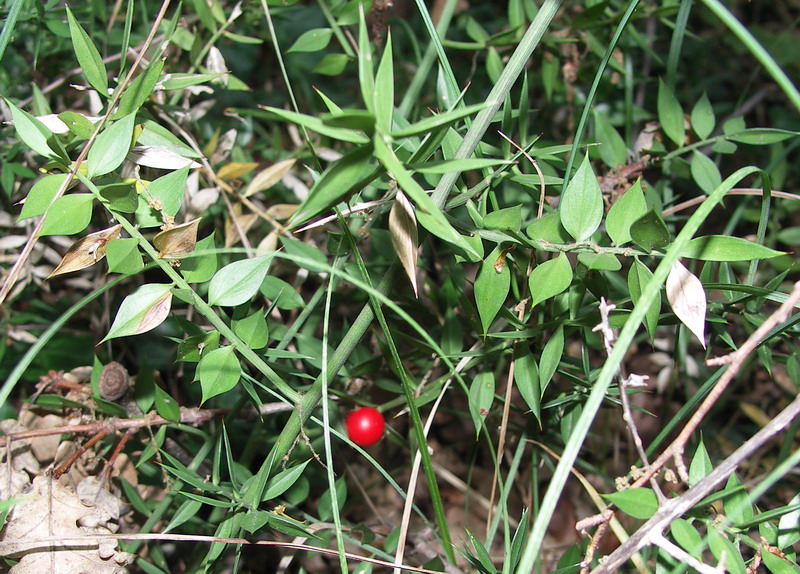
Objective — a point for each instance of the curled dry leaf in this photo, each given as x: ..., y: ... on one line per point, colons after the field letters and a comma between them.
x: 687, y: 298
x: 403, y: 227
x: 87, y: 251
x: 177, y: 241
x: 269, y: 176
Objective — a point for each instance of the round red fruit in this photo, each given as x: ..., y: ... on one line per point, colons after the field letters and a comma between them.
x: 365, y: 426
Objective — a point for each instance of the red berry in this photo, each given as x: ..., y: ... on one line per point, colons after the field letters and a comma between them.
x: 365, y: 426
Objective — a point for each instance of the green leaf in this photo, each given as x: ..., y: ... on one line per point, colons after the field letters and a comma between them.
x: 789, y: 526
x: 143, y: 310
x: 366, y: 79
x: 705, y: 172
x: 485, y: 563
x: 69, y: 214
x: 649, y: 231
x: 35, y: 134
x: 761, y: 136
x: 166, y: 406
x: 187, y: 511
x: 551, y: 357
x: 384, y: 89
x: 331, y: 65
x: 687, y: 537
x: 304, y: 255
x: 736, y: 505
x: 316, y: 124
x: 778, y: 565
x: 526, y: 377
x: 111, y: 147
x: 281, y: 293
x: 41, y: 194
x: 725, y: 248
x: 701, y: 466
x: 720, y: 544
x: 314, y: 40
x: 122, y: 256
x: 237, y: 282
x: 638, y: 278
x: 191, y: 349
x: 703, y: 120
x: 519, y: 538
x: 218, y: 372
x: 581, y: 205
x: 550, y: 278
x: 447, y: 166
x: 612, y: 147
x: 427, y: 125
x: 167, y: 191
x: 139, y: 91
x: 636, y: 502
x: 507, y: 218
x: 325, y: 504
x: 78, y: 124
x: 284, y: 480
x: 334, y: 185
x: 670, y: 114
x: 252, y: 330
x: 548, y: 228
x: 481, y: 397
x: 179, y: 81
x: 88, y: 57
x: 201, y: 267
x: 491, y: 287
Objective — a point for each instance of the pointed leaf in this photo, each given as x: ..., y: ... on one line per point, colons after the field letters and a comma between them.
x: 218, y: 372
x: 725, y: 248
x: 88, y: 57
x: 178, y: 241
x: 143, y: 310
x: 87, y: 251
x: 41, y: 194
x: 202, y: 266
x: 403, y: 227
x: 140, y: 90
x: 625, y: 211
x: 111, y: 147
x: 481, y: 397
x: 35, y: 135
x: 491, y: 287
x: 705, y: 172
x: 702, y: 117
x: 268, y: 177
x: 581, y: 205
x: 649, y: 231
x: 284, y: 480
x: 550, y: 278
x: 637, y: 502
x: 252, y: 330
x: 162, y: 198
x: 237, y: 282
x: 366, y: 78
x: 551, y: 357
x: 670, y: 114
x: 384, y: 88
x: 638, y: 278
x: 701, y: 465
x: 69, y: 214
x: 687, y: 298
x: 526, y: 378
x: 314, y: 40
x: 612, y: 148
x: 122, y: 256
x: 159, y: 157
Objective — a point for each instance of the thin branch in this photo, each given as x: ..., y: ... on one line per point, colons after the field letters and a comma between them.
x: 681, y: 555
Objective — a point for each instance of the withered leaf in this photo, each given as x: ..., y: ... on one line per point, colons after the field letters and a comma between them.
x: 268, y: 177
x: 86, y: 251
x: 687, y: 298
x: 403, y: 227
x: 177, y: 241
x: 235, y: 170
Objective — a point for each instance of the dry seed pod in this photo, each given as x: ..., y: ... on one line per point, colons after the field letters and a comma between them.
x: 114, y: 381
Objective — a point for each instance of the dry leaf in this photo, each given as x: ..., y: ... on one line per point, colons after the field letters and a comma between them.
x: 268, y: 177
x: 51, y: 512
x: 86, y: 251
x: 243, y: 222
x: 687, y: 298
x: 155, y: 315
x: 159, y: 157
x: 177, y: 241
x: 403, y: 227
x: 235, y: 170
x: 282, y: 210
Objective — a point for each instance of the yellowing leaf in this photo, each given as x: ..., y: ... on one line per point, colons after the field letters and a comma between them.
x: 143, y: 310
x: 177, y: 241
x: 403, y: 227
x: 87, y: 251
x: 687, y: 298
x: 235, y: 170
x: 268, y: 177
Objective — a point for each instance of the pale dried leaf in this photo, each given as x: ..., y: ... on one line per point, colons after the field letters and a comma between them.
x: 268, y: 177
x: 215, y: 63
x: 403, y: 227
x: 43, y: 531
x: 86, y: 251
x: 268, y: 245
x: 282, y: 210
x: 159, y: 157
x: 156, y: 315
x: 245, y: 222
x: 235, y: 170
x: 687, y: 298
x: 12, y: 242
x: 177, y: 241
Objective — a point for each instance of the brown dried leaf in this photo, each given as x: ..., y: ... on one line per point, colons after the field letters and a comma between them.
x: 155, y: 315
x: 86, y: 251
x: 177, y: 241
x: 687, y: 298
x: 268, y: 177
x: 282, y: 210
x: 245, y: 222
x: 403, y: 227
